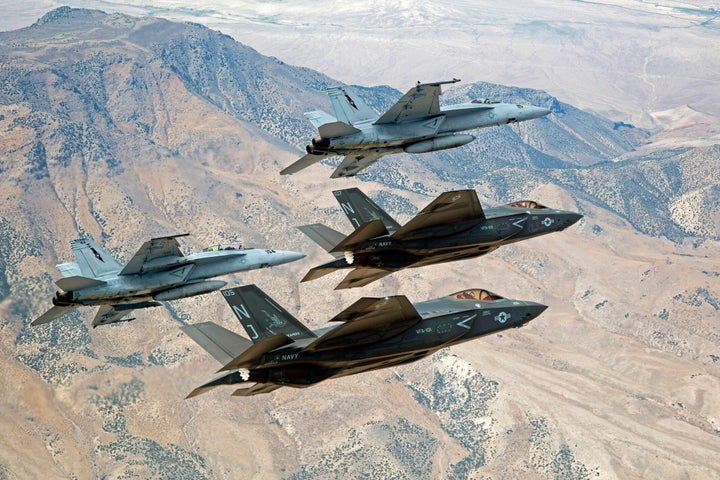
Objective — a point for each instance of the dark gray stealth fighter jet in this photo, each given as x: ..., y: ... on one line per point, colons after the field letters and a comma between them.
x: 453, y: 227
x: 373, y: 333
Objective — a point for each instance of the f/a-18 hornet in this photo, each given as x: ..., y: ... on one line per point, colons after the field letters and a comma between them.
x: 453, y: 227
x: 415, y: 124
x: 374, y: 333
x: 158, y: 272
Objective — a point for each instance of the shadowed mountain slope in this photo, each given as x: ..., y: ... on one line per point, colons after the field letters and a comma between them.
x: 128, y: 128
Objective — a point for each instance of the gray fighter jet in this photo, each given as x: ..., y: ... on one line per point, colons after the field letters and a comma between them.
x: 453, y: 227
x: 158, y: 272
x: 415, y: 124
x: 374, y: 333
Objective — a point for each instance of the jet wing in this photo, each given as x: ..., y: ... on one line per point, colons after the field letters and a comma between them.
x: 152, y: 249
x: 454, y: 256
x: 256, y: 389
x: 119, y: 313
x: 369, y: 320
x: 421, y: 101
x: 353, y: 164
x: 448, y: 208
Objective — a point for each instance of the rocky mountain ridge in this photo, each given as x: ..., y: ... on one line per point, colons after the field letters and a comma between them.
x: 127, y: 128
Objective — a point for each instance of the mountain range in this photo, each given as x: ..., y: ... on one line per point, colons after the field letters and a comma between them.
x: 127, y: 128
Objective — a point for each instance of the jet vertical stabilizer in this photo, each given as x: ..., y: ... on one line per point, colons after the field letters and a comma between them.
x: 261, y: 317
x: 93, y: 261
x: 348, y: 106
x: 360, y: 209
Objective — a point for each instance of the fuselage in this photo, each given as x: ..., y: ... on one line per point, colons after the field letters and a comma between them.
x: 170, y: 278
x: 445, y: 321
x: 413, y: 136
x: 465, y: 239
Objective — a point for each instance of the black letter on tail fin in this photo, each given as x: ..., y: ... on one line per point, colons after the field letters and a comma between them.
x: 93, y: 261
x: 360, y: 209
x: 261, y: 316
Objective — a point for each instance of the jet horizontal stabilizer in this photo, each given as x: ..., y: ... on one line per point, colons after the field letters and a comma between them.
x: 119, y: 313
x: 256, y: 389
x: 361, y: 277
x: 301, y: 163
x: 324, y: 236
x: 369, y: 320
x: 318, y: 117
x: 322, y: 270
x: 369, y: 230
x: 336, y: 129
x: 52, y: 314
x: 252, y: 355
x: 224, y: 379
x: 77, y: 283
x: 219, y: 342
x: 353, y: 164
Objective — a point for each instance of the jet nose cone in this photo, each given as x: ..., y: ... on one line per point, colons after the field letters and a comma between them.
x: 569, y: 219
x: 292, y: 256
x: 537, y: 112
x: 573, y: 218
x: 533, y: 310
x: 286, y: 256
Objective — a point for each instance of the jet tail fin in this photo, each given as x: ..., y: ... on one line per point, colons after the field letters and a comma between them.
x: 93, y: 261
x: 360, y: 209
x: 219, y: 342
x: 261, y: 317
x: 348, y: 106
x: 324, y: 236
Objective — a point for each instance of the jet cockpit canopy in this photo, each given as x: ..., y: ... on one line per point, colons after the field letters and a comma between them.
x: 486, y: 101
x: 220, y: 247
x: 476, y: 294
x: 529, y: 204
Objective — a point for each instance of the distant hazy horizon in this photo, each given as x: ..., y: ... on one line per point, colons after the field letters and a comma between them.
x: 625, y: 59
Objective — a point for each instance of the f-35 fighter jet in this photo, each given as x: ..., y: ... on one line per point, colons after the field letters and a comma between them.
x: 415, y: 124
x: 159, y: 271
x: 374, y: 333
x: 453, y: 227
